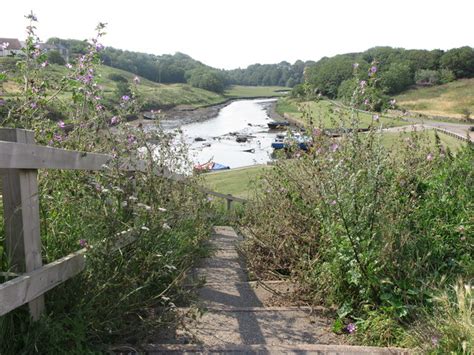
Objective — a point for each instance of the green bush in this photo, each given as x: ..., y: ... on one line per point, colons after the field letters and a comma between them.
x: 375, y: 232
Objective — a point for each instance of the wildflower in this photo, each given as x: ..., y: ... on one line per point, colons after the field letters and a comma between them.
x: 363, y: 84
x: 32, y: 17
x: 114, y: 120
x: 61, y: 124
x: 209, y: 198
x: 355, y: 65
x: 333, y: 202
x: 44, y: 64
x: 33, y: 105
x: 366, y: 102
x: 393, y: 102
x: 351, y: 328
x: 126, y: 98
x: 375, y: 117
x: 131, y: 139
x: 372, y: 70
x: 83, y: 243
x: 69, y: 66
x: 136, y: 80
x: 166, y: 226
x: 334, y: 147
x: 429, y: 157
x: 99, y: 47
x: 434, y: 340
x: 99, y: 107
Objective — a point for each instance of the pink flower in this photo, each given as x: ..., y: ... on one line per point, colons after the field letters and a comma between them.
x: 333, y: 202
x: 44, y: 64
x: 126, y: 98
x: 83, y: 243
x: 114, y: 120
x: 61, y: 124
x: 334, y: 147
x: 429, y: 157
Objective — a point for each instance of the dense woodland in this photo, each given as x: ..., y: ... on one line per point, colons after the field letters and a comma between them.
x: 397, y: 69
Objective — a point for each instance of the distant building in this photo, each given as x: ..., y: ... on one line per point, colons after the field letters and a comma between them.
x: 9, y: 46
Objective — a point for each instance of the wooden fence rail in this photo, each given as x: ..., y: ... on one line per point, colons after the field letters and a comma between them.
x: 20, y: 159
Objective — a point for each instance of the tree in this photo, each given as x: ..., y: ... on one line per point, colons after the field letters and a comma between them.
x: 460, y: 61
x: 54, y: 57
x: 397, y: 78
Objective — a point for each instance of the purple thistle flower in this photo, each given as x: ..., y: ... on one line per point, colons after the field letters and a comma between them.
x: 114, y: 120
x: 61, y: 124
x: 99, y: 47
x: 131, y: 139
x: 83, y: 243
x: 125, y: 98
x: 33, y: 105
x: 351, y: 328
x: 57, y: 138
x: 373, y: 70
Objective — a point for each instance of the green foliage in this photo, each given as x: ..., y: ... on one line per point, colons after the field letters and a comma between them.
x: 397, y: 78
x: 54, y: 57
x: 117, y: 77
x: 211, y: 80
x: 373, y: 231
x: 122, y: 295
x: 326, y: 75
x: 460, y: 61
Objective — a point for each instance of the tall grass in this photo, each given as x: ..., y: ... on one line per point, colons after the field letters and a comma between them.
x: 376, y: 233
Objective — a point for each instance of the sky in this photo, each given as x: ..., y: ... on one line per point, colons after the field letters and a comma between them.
x: 236, y: 33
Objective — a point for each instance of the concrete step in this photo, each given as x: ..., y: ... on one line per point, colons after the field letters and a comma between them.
x: 315, y: 349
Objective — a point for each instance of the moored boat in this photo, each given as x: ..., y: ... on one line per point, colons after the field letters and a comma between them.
x: 278, y: 124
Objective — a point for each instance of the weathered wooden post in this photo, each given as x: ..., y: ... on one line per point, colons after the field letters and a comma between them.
x: 229, y: 202
x: 21, y: 216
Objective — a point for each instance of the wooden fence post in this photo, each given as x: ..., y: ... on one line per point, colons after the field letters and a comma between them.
x: 21, y: 216
x: 229, y: 204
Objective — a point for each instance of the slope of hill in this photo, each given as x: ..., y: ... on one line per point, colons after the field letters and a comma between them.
x: 455, y: 99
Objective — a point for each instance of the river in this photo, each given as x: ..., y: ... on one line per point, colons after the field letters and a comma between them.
x: 217, y: 136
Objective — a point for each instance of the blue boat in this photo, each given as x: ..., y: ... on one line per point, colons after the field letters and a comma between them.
x: 301, y: 141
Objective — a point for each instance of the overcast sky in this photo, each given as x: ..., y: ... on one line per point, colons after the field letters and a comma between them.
x: 236, y: 33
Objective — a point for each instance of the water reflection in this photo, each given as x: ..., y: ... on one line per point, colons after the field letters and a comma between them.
x: 215, y: 139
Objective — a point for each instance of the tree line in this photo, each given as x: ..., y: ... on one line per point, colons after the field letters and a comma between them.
x: 396, y: 68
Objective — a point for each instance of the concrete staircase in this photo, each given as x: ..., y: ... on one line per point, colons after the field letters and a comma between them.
x: 239, y: 316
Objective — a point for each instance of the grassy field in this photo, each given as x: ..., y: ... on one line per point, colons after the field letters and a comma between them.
x: 452, y: 99
x: 237, y: 182
x: 391, y: 140
x: 255, y: 91
x: 327, y: 114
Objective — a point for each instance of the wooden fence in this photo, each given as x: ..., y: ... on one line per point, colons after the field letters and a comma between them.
x: 452, y: 134
x: 20, y: 159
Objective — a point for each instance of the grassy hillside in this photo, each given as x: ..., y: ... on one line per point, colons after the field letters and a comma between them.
x: 156, y: 95
x: 454, y: 99
x: 326, y: 113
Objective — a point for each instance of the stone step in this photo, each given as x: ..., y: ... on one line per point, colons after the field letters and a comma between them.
x: 315, y: 349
